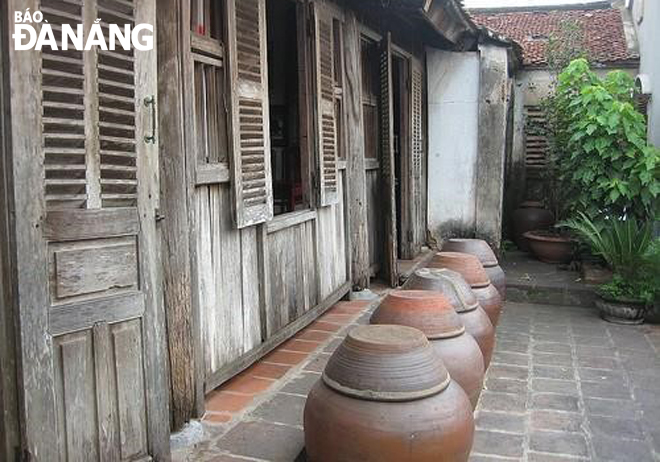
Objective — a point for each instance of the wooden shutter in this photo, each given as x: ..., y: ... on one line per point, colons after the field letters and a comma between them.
x: 417, y: 139
x: 326, y: 123
x: 387, y: 159
x: 250, y: 169
x: 536, y: 141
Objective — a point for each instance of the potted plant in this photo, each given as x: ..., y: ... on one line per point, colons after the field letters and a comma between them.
x: 625, y: 244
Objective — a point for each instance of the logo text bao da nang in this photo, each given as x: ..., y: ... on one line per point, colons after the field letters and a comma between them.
x: 27, y: 37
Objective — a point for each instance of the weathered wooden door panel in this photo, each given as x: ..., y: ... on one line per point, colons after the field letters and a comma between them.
x: 86, y: 177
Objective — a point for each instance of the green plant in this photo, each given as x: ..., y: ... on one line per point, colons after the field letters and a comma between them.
x: 565, y: 45
x: 627, y: 246
x: 597, y: 146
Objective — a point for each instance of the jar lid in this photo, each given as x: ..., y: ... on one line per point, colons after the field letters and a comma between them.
x: 467, y: 265
x: 426, y: 310
x: 477, y: 247
x: 450, y: 283
x: 386, y: 363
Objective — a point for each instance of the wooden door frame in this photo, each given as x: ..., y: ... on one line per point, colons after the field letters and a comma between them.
x: 10, y: 439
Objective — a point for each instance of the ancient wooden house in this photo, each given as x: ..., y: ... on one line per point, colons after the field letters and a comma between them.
x: 169, y: 216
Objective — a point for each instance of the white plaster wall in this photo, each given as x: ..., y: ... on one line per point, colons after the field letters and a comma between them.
x: 453, y: 99
x: 646, y: 16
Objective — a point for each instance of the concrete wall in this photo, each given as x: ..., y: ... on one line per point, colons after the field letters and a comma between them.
x: 468, y: 103
x: 646, y: 17
x: 453, y: 105
x: 492, y: 135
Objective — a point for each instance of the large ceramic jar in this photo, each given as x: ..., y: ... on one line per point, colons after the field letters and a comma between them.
x: 458, y: 292
x: 385, y: 396
x: 480, y: 249
x: 432, y: 313
x: 473, y: 272
x: 530, y: 216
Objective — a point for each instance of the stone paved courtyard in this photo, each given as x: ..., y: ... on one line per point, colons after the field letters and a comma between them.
x: 563, y: 385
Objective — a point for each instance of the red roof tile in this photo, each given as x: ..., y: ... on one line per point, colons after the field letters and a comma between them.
x: 603, y: 31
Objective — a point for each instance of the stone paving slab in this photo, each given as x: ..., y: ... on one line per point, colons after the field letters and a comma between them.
x: 563, y: 386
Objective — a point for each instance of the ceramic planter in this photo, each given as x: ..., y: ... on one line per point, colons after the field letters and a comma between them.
x: 528, y: 217
x: 551, y: 249
x: 462, y: 298
x: 385, y: 396
x: 491, y: 301
x: 621, y: 312
x: 480, y: 249
x: 432, y: 313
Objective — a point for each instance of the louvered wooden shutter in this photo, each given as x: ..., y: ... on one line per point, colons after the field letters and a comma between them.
x: 251, y: 171
x: 326, y: 124
x: 536, y: 141
x: 88, y: 114
x: 387, y: 159
x: 417, y: 153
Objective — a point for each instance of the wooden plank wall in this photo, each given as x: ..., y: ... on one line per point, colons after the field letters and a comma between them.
x: 374, y: 219
x: 304, y: 262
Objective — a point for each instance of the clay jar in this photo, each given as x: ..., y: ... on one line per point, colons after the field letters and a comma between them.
x: 432, y: 313
x: 458, y: 292
x: 480, y: 249
x: 530, y: 216
x: 473, y: 272
x: 385, y: 396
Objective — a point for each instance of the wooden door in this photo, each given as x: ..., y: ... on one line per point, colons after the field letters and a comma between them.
x: 387, y: 162
x: 85, y: 173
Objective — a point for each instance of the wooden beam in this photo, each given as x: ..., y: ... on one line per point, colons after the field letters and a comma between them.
x: 355, y: 160
x: 182, y: 338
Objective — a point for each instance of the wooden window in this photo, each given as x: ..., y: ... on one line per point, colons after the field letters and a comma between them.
x: 536, y: 142
x: 208, y: 69
x: 327, y: 143
x: 250, y: 140
x: 416, y: 125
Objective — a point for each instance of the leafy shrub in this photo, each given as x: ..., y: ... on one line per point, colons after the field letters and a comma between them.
x: 598, y: 143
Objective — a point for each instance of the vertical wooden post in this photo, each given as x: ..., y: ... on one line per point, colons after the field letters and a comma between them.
x: 354, y: 133
x: 187, y: 399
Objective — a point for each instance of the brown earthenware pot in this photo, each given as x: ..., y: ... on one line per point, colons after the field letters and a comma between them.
x: 480, y: 249
x: 497, y: 278
x: 467, y: 265
x: 489, y: 298
x: 458, y: 292
x: 528, y: 217
x: 477, y: 247
x: 550, y: 248
x: 432, y: 313
x: 385, y: 396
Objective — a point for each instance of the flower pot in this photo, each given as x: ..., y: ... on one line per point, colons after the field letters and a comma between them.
x: 528, y: 217
x: 462, y: 298
x: 653, y: 313
x: 480, y: 249
x: 386, y: 396
x: 621, y: 311
x: 550, y: 248
x: 432, y: 313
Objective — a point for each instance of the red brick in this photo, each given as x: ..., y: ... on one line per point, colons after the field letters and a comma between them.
x: 313, y: 335
x: 301, y: 346
x: 285, y: 357
x: 217, y: 417
x: 222, y: 401
x: 247, y: 384
x: 338, y: 318
x: 325, y: 326
x: 267, y: 371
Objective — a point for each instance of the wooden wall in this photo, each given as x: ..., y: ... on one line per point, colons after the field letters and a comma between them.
x: 253, y: 283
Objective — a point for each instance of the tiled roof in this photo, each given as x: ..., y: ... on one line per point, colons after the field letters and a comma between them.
x: 603, y: 31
